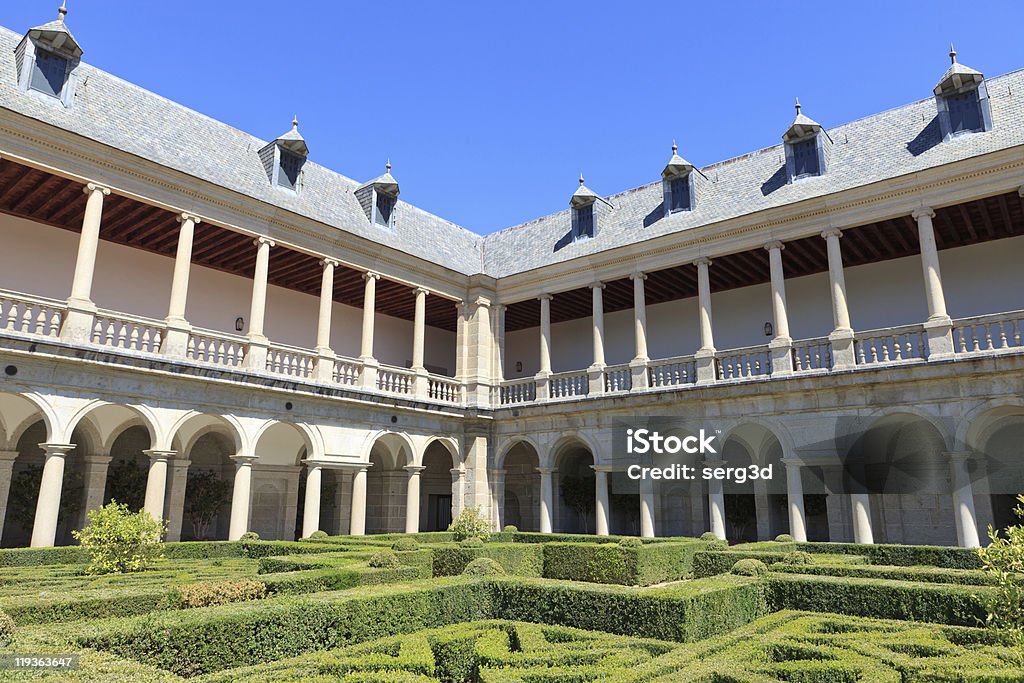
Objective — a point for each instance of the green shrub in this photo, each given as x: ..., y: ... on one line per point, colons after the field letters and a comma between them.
x: 630, y: 542
x: 591, y: 562
x: 6, y: 629
x: 472, y: 542
x: 385, y: 559
x: 749, y: 567
x: 963, y: 577
x: 336, y: 579
x: 250, y: 536
x: 120, y: 540
x: 708, y: 536
x: 208, y: 593
x: 1003, y: 560
x: 510, y: 528
x: 318, y: 535
x: 520, y: 559
x: 471, y: 523
x: 405, y: 545
x: 710, y: 563
x: 798, y: 557
x: 483, y: 566
x: 783, y: 538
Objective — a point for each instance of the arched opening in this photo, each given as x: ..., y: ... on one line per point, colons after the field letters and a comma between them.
x: 277, y: 487
x: 128, y: 469
x: 199, y: 499
x: 741, y: 509
x: 997, y: 468
x: 387, y: 482
x: 575, y: 500
x: 522, y: 487
x: 681, y: 507
x: 335, y: 496
x: 436, y: 501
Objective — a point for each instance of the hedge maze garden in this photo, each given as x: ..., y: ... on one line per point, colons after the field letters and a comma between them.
x: 519, y: 607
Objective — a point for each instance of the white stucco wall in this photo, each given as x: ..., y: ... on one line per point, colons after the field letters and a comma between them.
x: 40, y: 260
x: 978, y: 279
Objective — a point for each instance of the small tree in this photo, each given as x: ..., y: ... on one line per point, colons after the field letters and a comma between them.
x: 1004, y: 559
x: 578, y: 496
x: 207, y: 495
x: 120, y: 540
x: 471, y: 523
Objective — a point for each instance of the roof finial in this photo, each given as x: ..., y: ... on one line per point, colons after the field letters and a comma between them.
x: 674, y: 147
x: 581, y: 178
x: 295, y: 122
x: 952, y: 53
x: 62, y: 10
x: 798, y: 106
x: 387, y: 166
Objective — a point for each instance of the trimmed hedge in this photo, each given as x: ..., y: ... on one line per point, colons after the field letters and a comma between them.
x: 902, y: 555
x: 878, y: 598
x: 963, y: 577
x: 712, y: 563
x: 517, y: 559
x: 612, y: 563
x: 185, y: 550
x: 334, y: 579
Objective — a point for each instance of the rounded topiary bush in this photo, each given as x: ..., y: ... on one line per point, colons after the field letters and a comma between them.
x: 630, y: 542
x: 708, y: 536
x: 318, y: 534
x: 404, y: 545
x: 783, y: 538
x: 250, y: 536
x: 472, y: 543
x: 798, y: 557
x: 6, y: 629
x: 510, y: 529
x: 483, y: 566
x: 385, y: 559
x: 750, y: 567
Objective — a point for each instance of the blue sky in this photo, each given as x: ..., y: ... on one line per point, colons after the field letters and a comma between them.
x: 489, y: 111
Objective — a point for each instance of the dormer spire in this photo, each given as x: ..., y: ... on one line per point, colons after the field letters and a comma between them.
x: 798, y: 106
x: 581, y: 178
x: 387, y: 166
x: 295, y: 122
x: 62, y: 11
x: 952, y: 54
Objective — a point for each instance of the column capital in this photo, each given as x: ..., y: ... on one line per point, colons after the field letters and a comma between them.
x: 547, y: 470
x: 414, y: 470
x: 312, y: 462
x: 422, y: 290
x: 155, y: 454
x: 482, y: 302
x: 545, y: 297
x: 457, y: 471
x: 8, y: 456
x: 702, y: 261
x: 500, y: 308
x: 328, y: 261
x: 184, y: 216
x: 831, y: 232
x: 371, y: 275
x: 602, y: 468
x: 57, y: 448
x: 923, y: 211
x: 597, y: 285
x: 96, y: 187
x: 638, y: 275
x: 775, y: 244
x: 243, y: 460
x: 263, y: 239
x: 792, y: 462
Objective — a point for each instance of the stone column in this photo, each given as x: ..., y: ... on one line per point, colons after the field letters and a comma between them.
x: 795, y: 496
x: 458, y: 489
x: 647, y: 509
x: 256, y: 356
x: 497, y: 482
x: 781, y: 346
x: 861, y: 506
x: 94, y: 479
x: 638, y: 366
x: 547, y: 498
x: 240, y: 496
x: 841, y: 338
x: 602, y: 508
x: 963, y: 501
x: 716, y: 502
x: 544, y: 375
x: 461, y: 340
x: 311, y: 503
x: 707, y: 367
x: 175, y: 342
x: 176, y: 490
x: 44, y: 529
x: 81, y: 313
x: 7, y: 459
x: 357, y: 518
x: 499, y: 343
x: 596, y: 370
x: 421, y: 386
x: 370, y: 364
x: 412, y: 499
x: 325, y: 356
x: 938, y: 327
x: 156, y: 482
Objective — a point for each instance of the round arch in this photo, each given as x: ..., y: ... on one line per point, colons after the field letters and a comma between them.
x: 110, y: 419
x: 20, y: 410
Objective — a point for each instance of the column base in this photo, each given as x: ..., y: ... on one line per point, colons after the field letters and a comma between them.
x: 639, y: 380
x: 176, y: 336
x: 843, y: 348
x: 368, y: 374
x: 781, y: 351
x: 940, y: 337
x: 707, y: 366
x: 78, y: 322
x: 256, y: 354
x: 595, y: 379
x: 324, y: 370
x: 421, y: 384
x: 543, y: 379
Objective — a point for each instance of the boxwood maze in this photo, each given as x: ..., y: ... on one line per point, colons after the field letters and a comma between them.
x: 566, y: 608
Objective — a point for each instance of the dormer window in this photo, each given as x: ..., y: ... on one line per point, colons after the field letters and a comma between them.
x: 379, y: 199
x: 47, y: 59
x: 583, y: 209
x: 961, y: 99
x: 284, y: 158
x: 677, y: 184
x: 806, y: 146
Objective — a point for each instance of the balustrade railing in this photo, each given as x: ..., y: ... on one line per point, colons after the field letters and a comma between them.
x: 567, y: 384
x: 515, y: 391
x: 671, y: 372
x: 893, y: 345
x: 130, y: 333
x: 290, y: 361
x: 989, y: 332
x: 812, y: 354
x: 753, y: 361
x: 395, y: 380
x: 216, y: 348
x: 444, y: 389
x: 30, y: 315
x: 346, y: 371
x: 617, y: 378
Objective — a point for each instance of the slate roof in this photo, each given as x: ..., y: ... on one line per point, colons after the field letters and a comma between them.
x: 892, y: 143
x: 878, y: 147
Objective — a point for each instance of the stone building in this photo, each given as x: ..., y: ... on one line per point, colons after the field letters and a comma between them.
x: 216, y: 329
